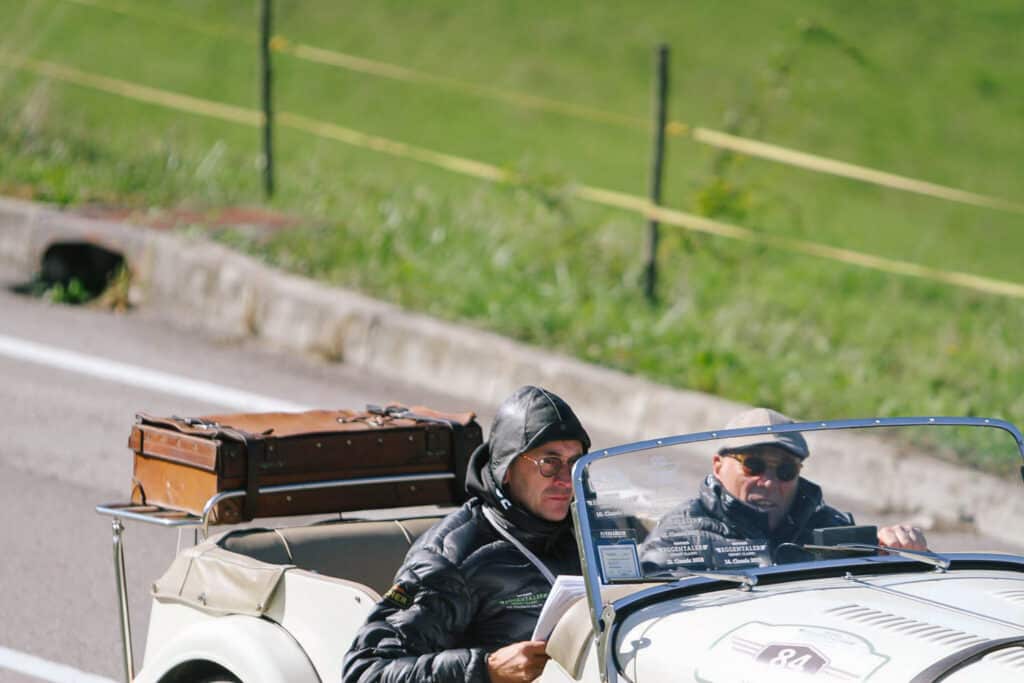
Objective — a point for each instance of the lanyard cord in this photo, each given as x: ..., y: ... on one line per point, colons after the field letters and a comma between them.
x: 492, y: 518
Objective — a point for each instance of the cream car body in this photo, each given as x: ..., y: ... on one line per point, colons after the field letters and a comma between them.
x: 283, y: 605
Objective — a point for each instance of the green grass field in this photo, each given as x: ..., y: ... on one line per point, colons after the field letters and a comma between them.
x: 922, y: 89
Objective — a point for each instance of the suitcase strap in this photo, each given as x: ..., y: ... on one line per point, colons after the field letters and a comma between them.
x: 378, y: 415
x: 255, y: 449
x: 460, y: 452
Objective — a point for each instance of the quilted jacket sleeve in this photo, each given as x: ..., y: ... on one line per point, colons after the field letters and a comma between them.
x: 410, y: 635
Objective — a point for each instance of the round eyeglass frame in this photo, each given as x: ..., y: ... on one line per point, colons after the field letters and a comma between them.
x: 553, y: 469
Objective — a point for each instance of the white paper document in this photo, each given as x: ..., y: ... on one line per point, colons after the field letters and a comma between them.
x: 567, y: 589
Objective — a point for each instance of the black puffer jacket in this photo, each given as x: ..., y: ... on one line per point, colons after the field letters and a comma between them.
x: 715, y: 530
x: 463, y: 592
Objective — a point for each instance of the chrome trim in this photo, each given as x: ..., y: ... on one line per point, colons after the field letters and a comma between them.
x: 154, y: 514
x: 122, y: 600
x: 746, y: 581
x: 315, y: 485
x: 211, y: 504
x: 940, y: 562
x: 362, y: 481
x: 816, y: 426
x: 151, y: 514
x: 606, y: 660
x: 954, y: 558
x: 588, y: 558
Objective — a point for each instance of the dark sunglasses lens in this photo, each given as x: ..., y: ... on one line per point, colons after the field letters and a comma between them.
x: 753, y: 466
x: 787, y: 471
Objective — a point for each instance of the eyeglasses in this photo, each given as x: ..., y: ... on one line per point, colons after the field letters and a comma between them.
x: 551, y: 465
x: 755, y: 465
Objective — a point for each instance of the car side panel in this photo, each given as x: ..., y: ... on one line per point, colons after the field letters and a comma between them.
x: 253, y: 649
x: 323, y: 614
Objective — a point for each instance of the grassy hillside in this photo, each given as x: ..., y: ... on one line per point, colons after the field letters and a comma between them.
x: 921, y: 89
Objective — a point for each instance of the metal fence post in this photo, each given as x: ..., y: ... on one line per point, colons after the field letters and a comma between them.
x: 265, y: 91
x: 660, y: 119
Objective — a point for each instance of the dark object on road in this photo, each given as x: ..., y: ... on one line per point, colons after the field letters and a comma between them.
x: 81, y: 269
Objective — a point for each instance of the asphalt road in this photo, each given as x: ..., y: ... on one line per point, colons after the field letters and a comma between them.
x: 64, y: 450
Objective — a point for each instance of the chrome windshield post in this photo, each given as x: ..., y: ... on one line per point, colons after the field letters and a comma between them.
x: 602, y: 616
x: 588, y: 557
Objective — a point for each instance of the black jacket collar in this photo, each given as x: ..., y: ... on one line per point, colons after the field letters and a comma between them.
x: 750, y: 522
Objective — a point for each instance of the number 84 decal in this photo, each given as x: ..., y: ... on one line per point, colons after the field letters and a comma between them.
x: 793, y: 657
x: 779, y: 651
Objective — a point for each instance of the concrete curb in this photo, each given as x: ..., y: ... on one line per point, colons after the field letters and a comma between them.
x: 210, y: 288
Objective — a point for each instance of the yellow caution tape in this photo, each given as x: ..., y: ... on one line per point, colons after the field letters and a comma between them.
x: 841, y: 168
x: 349, y: 136
x: 478, y: 169
x: 706, y: 136
x: 138, y: 92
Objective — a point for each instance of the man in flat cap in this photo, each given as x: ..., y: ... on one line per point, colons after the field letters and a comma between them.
x: 753, y: 501
x: 467, y: 598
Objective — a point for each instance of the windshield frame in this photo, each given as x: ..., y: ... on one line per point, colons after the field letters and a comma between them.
x: 581, y: 519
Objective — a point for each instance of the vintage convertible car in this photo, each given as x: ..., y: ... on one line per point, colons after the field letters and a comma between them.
x: 283, y: 604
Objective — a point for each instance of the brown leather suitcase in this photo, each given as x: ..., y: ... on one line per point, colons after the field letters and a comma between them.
x: 180, y: 463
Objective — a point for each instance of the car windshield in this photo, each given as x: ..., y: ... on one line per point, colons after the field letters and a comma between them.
x: 728, y: 501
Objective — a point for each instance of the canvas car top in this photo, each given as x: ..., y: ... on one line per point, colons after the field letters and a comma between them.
x: 238, y: 571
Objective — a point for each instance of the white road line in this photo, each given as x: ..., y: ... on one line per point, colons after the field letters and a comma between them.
x: 143, y: 378
x: 44, y: 669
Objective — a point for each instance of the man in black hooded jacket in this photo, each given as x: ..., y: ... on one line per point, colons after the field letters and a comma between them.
x: 469, y: 593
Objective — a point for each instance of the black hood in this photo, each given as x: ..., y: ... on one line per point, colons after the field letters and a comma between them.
x: 528, y: 418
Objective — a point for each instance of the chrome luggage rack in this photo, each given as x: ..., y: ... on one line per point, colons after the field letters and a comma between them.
x: 167, y: 517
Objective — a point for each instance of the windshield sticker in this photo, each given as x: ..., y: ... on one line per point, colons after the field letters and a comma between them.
x: 615, y: 535
x: 619, y: 562
x: 685, y: 554
x: 604, y: 516
x: 736, y: 554
x: 781, y: 651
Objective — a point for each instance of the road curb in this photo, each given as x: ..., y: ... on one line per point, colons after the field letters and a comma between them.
x: 207, y: 287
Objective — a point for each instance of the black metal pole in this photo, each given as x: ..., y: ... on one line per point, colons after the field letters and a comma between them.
x: 660, y: 118
x: 265, y: 90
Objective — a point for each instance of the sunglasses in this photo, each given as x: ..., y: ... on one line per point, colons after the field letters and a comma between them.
x: 550, y: 466
x: 755, y: 465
